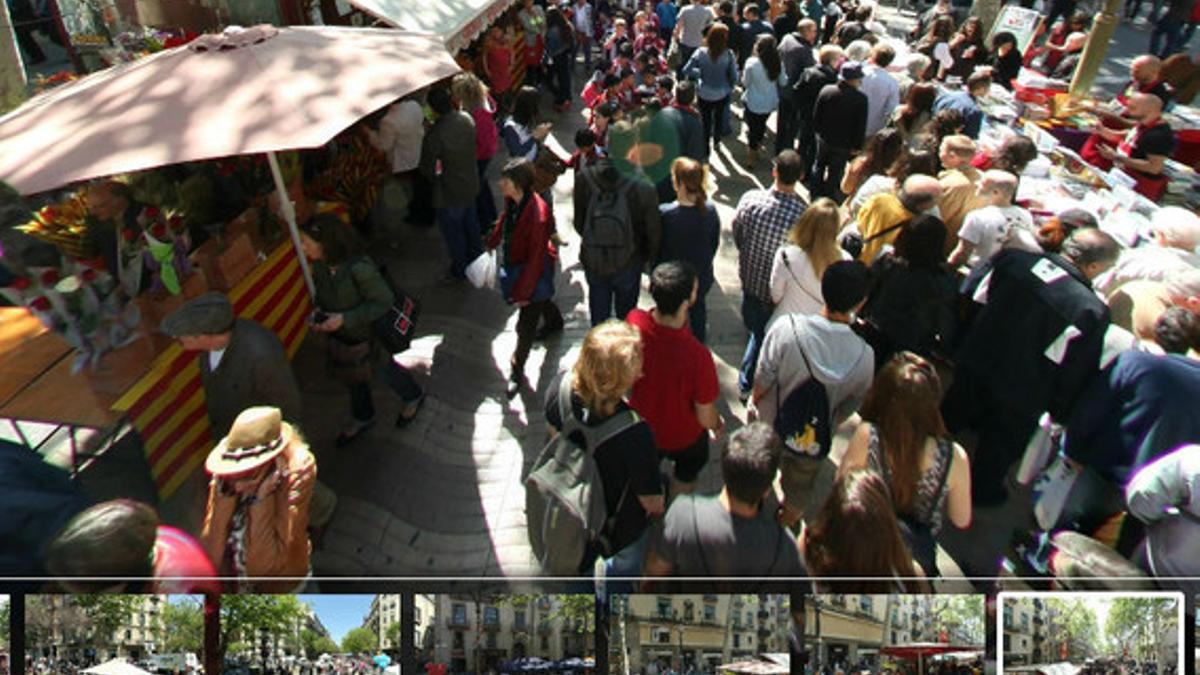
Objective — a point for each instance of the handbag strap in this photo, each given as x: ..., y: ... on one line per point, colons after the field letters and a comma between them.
x: 788, y: 266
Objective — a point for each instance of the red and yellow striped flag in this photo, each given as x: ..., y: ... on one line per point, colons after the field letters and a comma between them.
x: 167, y: 405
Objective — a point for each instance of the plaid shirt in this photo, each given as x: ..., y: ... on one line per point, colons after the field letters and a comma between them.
x: 763, y: 219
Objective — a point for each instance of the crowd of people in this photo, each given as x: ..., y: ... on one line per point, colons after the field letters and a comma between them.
x: 894, y: 289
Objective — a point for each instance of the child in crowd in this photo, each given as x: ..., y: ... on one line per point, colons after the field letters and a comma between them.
x: 586, y: 153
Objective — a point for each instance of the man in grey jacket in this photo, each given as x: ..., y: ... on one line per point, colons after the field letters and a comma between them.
x: 448, y: 161
x: 1165, y: 495
x: 798, y: 347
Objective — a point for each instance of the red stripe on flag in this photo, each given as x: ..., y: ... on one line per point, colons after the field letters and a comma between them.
x: 276, y: 297
x: 185, y: 425
x: 250, y: 293
x: 163, y: 477
x: 299, y: 307
x: 157, y: 389
x: 170, y: 409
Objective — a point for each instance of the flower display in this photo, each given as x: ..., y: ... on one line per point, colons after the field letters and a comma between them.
x: 63, y: 225
x: 81, y: 303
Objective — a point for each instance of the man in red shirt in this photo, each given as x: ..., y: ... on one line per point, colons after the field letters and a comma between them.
x: 678, y: 390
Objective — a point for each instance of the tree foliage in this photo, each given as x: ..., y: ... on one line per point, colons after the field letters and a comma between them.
x: 1133, y: 621
x: 576, y: 612
x: 184, y: 627
x: 361, y: 640
x: 106, y: 613
x: 962, y: 612
x: 243, y: 616
x: 315, y: 644
x: 5, y: 610
x: 393, y: 633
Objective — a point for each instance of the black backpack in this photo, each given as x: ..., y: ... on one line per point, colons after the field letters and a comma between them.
x: 608, y: 238
x: 802, y: 420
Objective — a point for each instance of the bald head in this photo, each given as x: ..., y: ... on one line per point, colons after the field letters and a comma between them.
x: 1075, y: 42
x: 1144, y: 107
x: 998, y: 187
x: 1091, y: 250
x: 1145, y: 69
x: 1176, y: 227
x: 920, y: 193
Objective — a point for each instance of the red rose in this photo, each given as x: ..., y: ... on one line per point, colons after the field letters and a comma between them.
x: 159, y: 232
x: 50, y: 277
x: 89, y: 275
x: 176, y: 222
x: 40, y: 304
x: 152, y: 212
x: 20, y: 283
x: 128, y: 234
x: 49, y: 214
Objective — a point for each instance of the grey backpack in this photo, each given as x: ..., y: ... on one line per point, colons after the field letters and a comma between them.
x: 565, y: 510
x: 608, y: 238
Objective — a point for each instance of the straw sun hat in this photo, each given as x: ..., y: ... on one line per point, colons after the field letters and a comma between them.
x: 257, y: 437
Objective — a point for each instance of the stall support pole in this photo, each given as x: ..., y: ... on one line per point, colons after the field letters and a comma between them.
x: 1095, y: 50
x: 289, y: 214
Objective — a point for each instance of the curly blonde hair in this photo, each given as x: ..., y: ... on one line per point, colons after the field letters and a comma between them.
x: 610, y: 361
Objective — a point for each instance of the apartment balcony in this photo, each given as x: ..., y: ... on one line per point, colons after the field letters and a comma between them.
x: 457, y: 622
x: 491, y: 626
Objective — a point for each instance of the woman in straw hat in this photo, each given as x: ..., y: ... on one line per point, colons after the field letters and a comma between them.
x: 257, y: 517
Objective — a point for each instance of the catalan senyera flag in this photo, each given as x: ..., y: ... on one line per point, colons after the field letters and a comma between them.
x: 167, y: 405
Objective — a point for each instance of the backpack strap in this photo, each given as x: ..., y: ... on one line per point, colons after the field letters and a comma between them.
x: 807, y: 365
x: 566, y: 411
x: 788, y: 266
x: 886, y: 230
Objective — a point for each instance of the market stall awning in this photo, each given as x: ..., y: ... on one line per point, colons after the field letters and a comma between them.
x: 458, y: 22
x: 764, y: 664
x: 248, y: 91
x: 116, y: 667
x: 915, y: 650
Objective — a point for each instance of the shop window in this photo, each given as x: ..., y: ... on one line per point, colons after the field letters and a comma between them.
x: 661, y: 636
x: 710, y: 612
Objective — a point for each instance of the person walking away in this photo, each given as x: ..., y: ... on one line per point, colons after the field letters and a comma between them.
x: 881, y: 89
x: 840, y: 122
x: 733, y: 533
x: 752, y: 27
x: 399, y: 136
x: 620, y: 229
x: 797, y: 54
x: 860, y: 501
x: 448, y: 161
x: 472, y: 96
x: 812, y: 82
x: 762, y: 80
x: 1031, y: 342
x: 904, y: 440
x: 583, y: 19
x: 824, y: 350
x: 668, y: 16
x: 610, y: 361
x: 258, y: 501
x: 683, y: 115
x: 560, y: 49
x: 762, y: 219
x: 1167, y: 37
x: 714, y: 68
x: 526, y: 263
x: 351, y: 295
x: 533, y: 25
x: 800, y: 262
x: 691, y: 232
x: 678, y: 390
x: 914, y: 295
x: 693, y: 21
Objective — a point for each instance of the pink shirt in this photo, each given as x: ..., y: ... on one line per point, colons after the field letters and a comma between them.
x: 499, y: 66
x: 486, y: 135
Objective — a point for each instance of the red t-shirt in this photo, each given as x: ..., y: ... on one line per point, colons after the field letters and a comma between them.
x: 677, y: 373
x: 499, y: 65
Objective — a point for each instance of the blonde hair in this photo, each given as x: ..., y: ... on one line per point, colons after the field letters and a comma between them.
x: 469, y: 91
x: 815, y: 232
x: 690, y: 174
x: 610, y: 361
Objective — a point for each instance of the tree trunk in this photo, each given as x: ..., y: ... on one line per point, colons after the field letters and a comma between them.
x: 727, y: 643
x: 214, y: 646
x: 887, y: 625
x: 624, y: 636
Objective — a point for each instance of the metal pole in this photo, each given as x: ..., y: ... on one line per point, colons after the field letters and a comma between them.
x: 289, y: 215
x: 1099, y: 38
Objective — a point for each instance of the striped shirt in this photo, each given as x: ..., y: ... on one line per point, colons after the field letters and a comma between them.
x: 762, y: 220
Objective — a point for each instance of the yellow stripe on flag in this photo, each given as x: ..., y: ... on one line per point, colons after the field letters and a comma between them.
x: 168, y: 397
x: 198, y: 429
x: 157, y: 371
x: 185, y: 470
x: 273, y: 319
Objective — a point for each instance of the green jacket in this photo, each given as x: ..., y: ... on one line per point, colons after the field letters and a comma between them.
x: 357, y: 291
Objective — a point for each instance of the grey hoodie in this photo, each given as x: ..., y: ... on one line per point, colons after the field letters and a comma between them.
x: 843, y: 362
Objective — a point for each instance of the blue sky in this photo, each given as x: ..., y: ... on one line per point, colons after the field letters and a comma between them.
x: 339, y: 613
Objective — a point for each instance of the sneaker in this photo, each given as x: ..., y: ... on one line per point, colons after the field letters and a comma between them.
x: 409, y: 413
x: 515, y: 382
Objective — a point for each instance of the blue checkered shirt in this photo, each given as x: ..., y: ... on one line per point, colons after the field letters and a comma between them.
x: 763, y: 219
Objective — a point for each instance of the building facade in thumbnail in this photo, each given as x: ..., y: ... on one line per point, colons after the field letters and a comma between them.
x: 58, y: 630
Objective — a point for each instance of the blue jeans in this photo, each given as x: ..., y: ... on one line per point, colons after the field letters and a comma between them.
x: 698, y: 314
x: 626, y: 563
x: 755, y: 315
x: 460, y: 231
x: 619, y: 290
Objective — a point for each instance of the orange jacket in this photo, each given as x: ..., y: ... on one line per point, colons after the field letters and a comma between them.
x: 277, y: 527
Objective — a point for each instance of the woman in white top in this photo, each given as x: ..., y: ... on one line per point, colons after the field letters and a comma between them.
x: 799, y: 263
x: 936, y: 45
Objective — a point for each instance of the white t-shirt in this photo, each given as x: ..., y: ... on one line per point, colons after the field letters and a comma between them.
x: 795, y: 288
x: 941, y: 54
x: 694, y: 19
x: 987, y: 229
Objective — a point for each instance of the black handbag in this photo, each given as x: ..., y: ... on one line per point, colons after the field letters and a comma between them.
x: 396, y: 328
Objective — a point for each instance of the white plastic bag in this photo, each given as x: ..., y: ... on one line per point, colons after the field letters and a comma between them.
x: 482, y: 270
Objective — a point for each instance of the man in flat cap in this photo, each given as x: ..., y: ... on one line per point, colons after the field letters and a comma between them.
x: 242, y: 363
